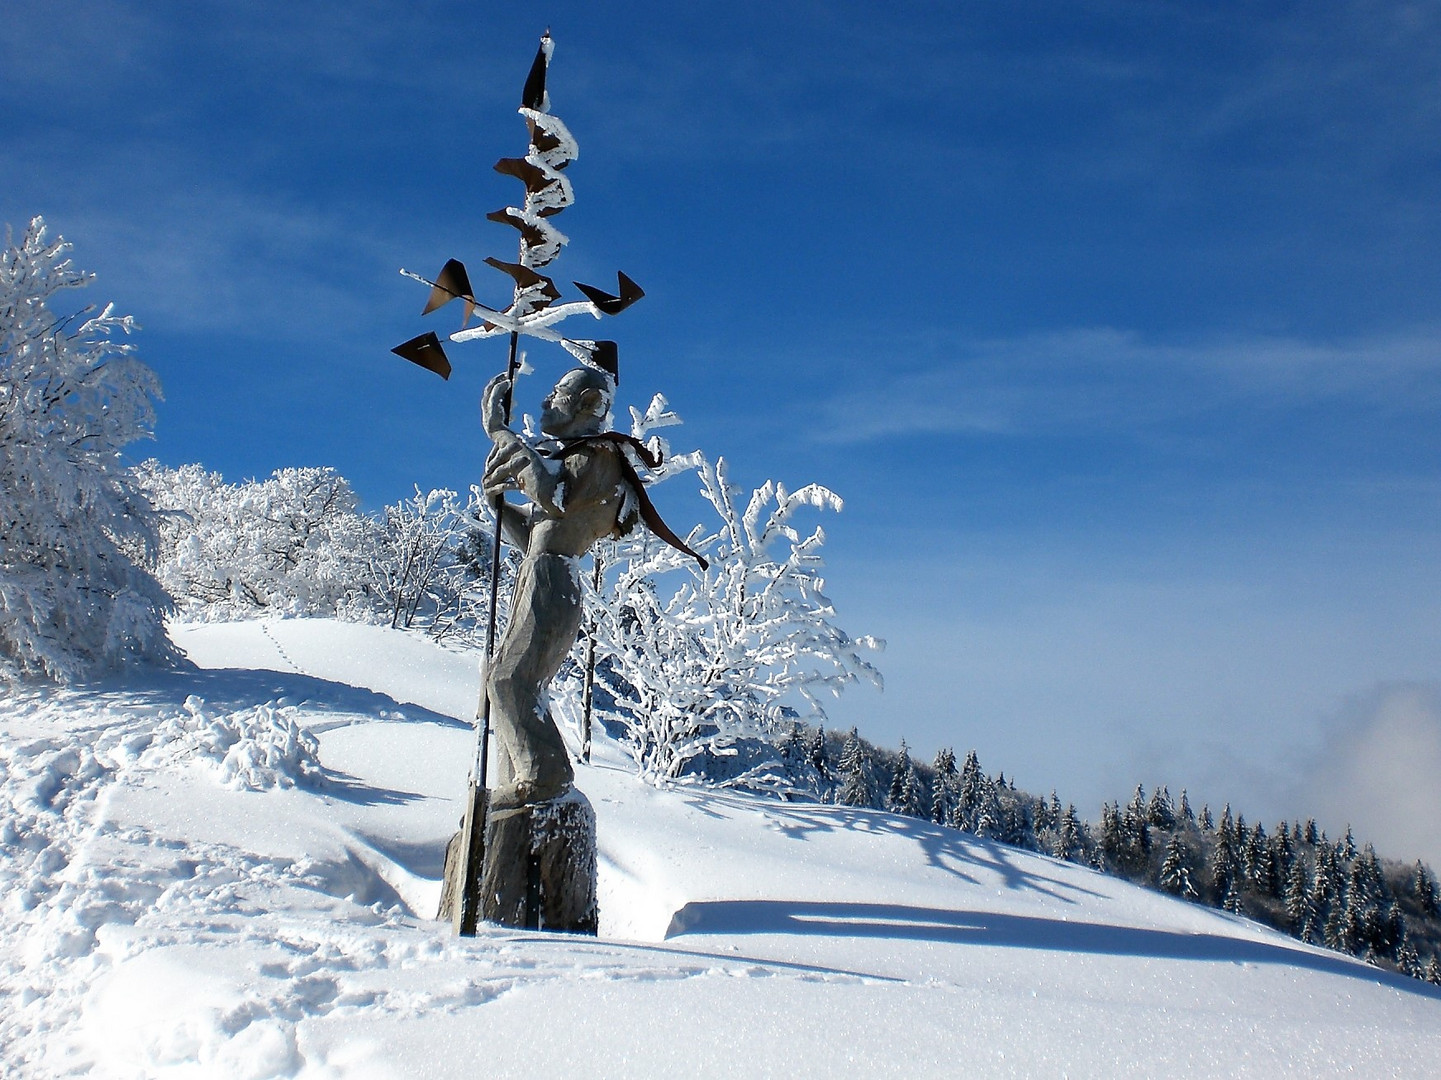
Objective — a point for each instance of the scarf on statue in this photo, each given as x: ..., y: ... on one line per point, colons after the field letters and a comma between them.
x: 648, y: 513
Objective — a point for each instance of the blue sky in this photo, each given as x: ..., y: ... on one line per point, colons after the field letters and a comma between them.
x: 1115, y: 324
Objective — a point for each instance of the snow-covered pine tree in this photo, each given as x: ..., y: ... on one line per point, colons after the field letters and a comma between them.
x: 856, y: 788
x: 1232, y: 900
x: 1112, y: 842
x: 1283, y: 854
x: 1069, y: 844
x: 990, y: 819
x: 895, y: 795
x: 1184, y: 809
x: 77, y: 537
x: 1300, y: 901
x: 1256, y: 861
x: 1160, y: 811
x: 904, y: 796
x: 1224, y: 863
x: 969, y: 795
x: 793, y: 746
x: 1326, y: 890
x: 1343, y: 923
x: 1423, y: 887
x: 819, y: 759
x: 943, y: 788
x: 1408, y: 962
x: 1047, y: 814
x: 1175, y: 875
x: 1135, y: 836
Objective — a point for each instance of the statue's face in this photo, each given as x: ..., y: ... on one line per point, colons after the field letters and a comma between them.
x: 570, y: 408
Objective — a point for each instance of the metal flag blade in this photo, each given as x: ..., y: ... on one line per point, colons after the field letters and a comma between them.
x: 607, y: 304
x: 526, y: 278
x: 601, y: 355
x: 532, y: 236
x: 533, y: 96
x: 535, y: 180
x: 451, y: 283
x: 425, y: 350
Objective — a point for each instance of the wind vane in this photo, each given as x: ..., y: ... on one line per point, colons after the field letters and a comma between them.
x: 533, y: 310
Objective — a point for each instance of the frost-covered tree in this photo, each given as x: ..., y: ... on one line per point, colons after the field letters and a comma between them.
x: 817, y: 755
x: 1069, y: 837
x: 1175, y: 876
x: 1283, y: 854
x: 1232, y: 900
x: 970, y: 794
x: 1224, y: 862
x: 1408, y: 961
x: 1423, y: 887
x: 413, y: 556
x: 1160, y: 811
x: 731, y: 651
x: 856, y: 786
x: 943, y: 788
x: 1259, y: 864
x: 793, y: 746
x: 904, y: 796
x: 1300, y: 901
x: 293, y: 544
x: 990, y: 816
x: 77, y: 597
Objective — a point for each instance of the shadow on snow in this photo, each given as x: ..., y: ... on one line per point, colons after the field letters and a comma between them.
x: 948, y: 850
x: 900, y: 922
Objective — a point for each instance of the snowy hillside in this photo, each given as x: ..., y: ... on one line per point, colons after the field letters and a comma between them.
x: 231, y: 872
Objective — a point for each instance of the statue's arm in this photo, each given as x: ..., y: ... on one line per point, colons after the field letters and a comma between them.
x: 514, y: 525
x: 514, y: 464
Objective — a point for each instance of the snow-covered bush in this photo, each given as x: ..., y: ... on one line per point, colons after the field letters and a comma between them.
x: 734, y: 651
x: 76, y: 597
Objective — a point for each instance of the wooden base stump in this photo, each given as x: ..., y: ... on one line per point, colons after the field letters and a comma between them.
x: 539, y: 870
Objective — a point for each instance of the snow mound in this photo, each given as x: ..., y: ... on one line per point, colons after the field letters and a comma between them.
x: 250, y: 749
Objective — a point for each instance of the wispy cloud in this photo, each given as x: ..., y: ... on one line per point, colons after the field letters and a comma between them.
x: 1104, y: 380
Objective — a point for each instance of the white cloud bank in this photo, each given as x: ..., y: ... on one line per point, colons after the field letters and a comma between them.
x: 1380, y: 771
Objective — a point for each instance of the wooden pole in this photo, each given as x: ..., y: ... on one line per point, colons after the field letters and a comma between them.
x: 472, y: 828
x: 590, y: 662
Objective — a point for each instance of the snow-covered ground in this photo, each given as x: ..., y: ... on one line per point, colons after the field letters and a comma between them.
x: 232, y: 872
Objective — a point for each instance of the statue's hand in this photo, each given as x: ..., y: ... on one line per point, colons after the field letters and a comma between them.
x: 514, y: 464
x: 492, y: 405
x: 508, y: 458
